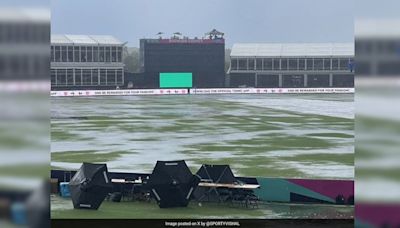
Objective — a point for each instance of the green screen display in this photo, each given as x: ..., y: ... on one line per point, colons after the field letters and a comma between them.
x: 175, y: 80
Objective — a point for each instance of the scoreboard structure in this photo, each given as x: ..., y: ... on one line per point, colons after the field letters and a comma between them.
x: 198, y: 63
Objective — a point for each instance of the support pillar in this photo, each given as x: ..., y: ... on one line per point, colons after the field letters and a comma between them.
x: 280, y: 81
x: 330, y: 80
x: 305, y: 80
x: 98, y: 75
x: 227, y: 80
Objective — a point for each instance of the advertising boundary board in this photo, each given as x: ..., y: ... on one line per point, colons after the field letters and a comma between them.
x: 269, y: 90
x: 199, y: 91
x: 125, y: 92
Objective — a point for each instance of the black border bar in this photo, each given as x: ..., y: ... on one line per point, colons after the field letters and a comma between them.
x: 198, y: 223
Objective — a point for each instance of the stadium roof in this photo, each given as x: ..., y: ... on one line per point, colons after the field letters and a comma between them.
x: 85, y: 39
x: 292, y: 49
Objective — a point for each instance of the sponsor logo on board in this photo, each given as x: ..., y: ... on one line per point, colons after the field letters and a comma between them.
x: 198, y: 91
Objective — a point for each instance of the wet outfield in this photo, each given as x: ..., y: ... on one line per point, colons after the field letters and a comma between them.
x: 62, y: 208
x: 307, y: 136
x: 293, y: 136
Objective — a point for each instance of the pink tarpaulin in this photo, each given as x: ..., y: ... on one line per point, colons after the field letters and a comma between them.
x: 329, y: 188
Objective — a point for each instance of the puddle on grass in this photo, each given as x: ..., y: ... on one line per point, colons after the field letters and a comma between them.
x: 253, y: 127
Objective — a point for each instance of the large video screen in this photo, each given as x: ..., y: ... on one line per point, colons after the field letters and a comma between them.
x: 176, y: 80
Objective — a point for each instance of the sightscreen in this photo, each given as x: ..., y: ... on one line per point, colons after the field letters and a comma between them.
x: 176, y: 80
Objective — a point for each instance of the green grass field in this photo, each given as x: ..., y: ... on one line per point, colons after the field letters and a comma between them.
x: 293, y: 136
x: 62, y: 208
x: 131, y: 133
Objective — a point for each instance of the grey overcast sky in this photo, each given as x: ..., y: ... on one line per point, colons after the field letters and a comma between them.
x: 242, y: 21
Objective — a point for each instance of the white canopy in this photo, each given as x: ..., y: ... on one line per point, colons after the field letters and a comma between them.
x: 292, y: 49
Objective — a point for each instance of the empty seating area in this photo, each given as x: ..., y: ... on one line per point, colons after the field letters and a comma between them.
x: 292, y: 65
x: 86, y: 62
